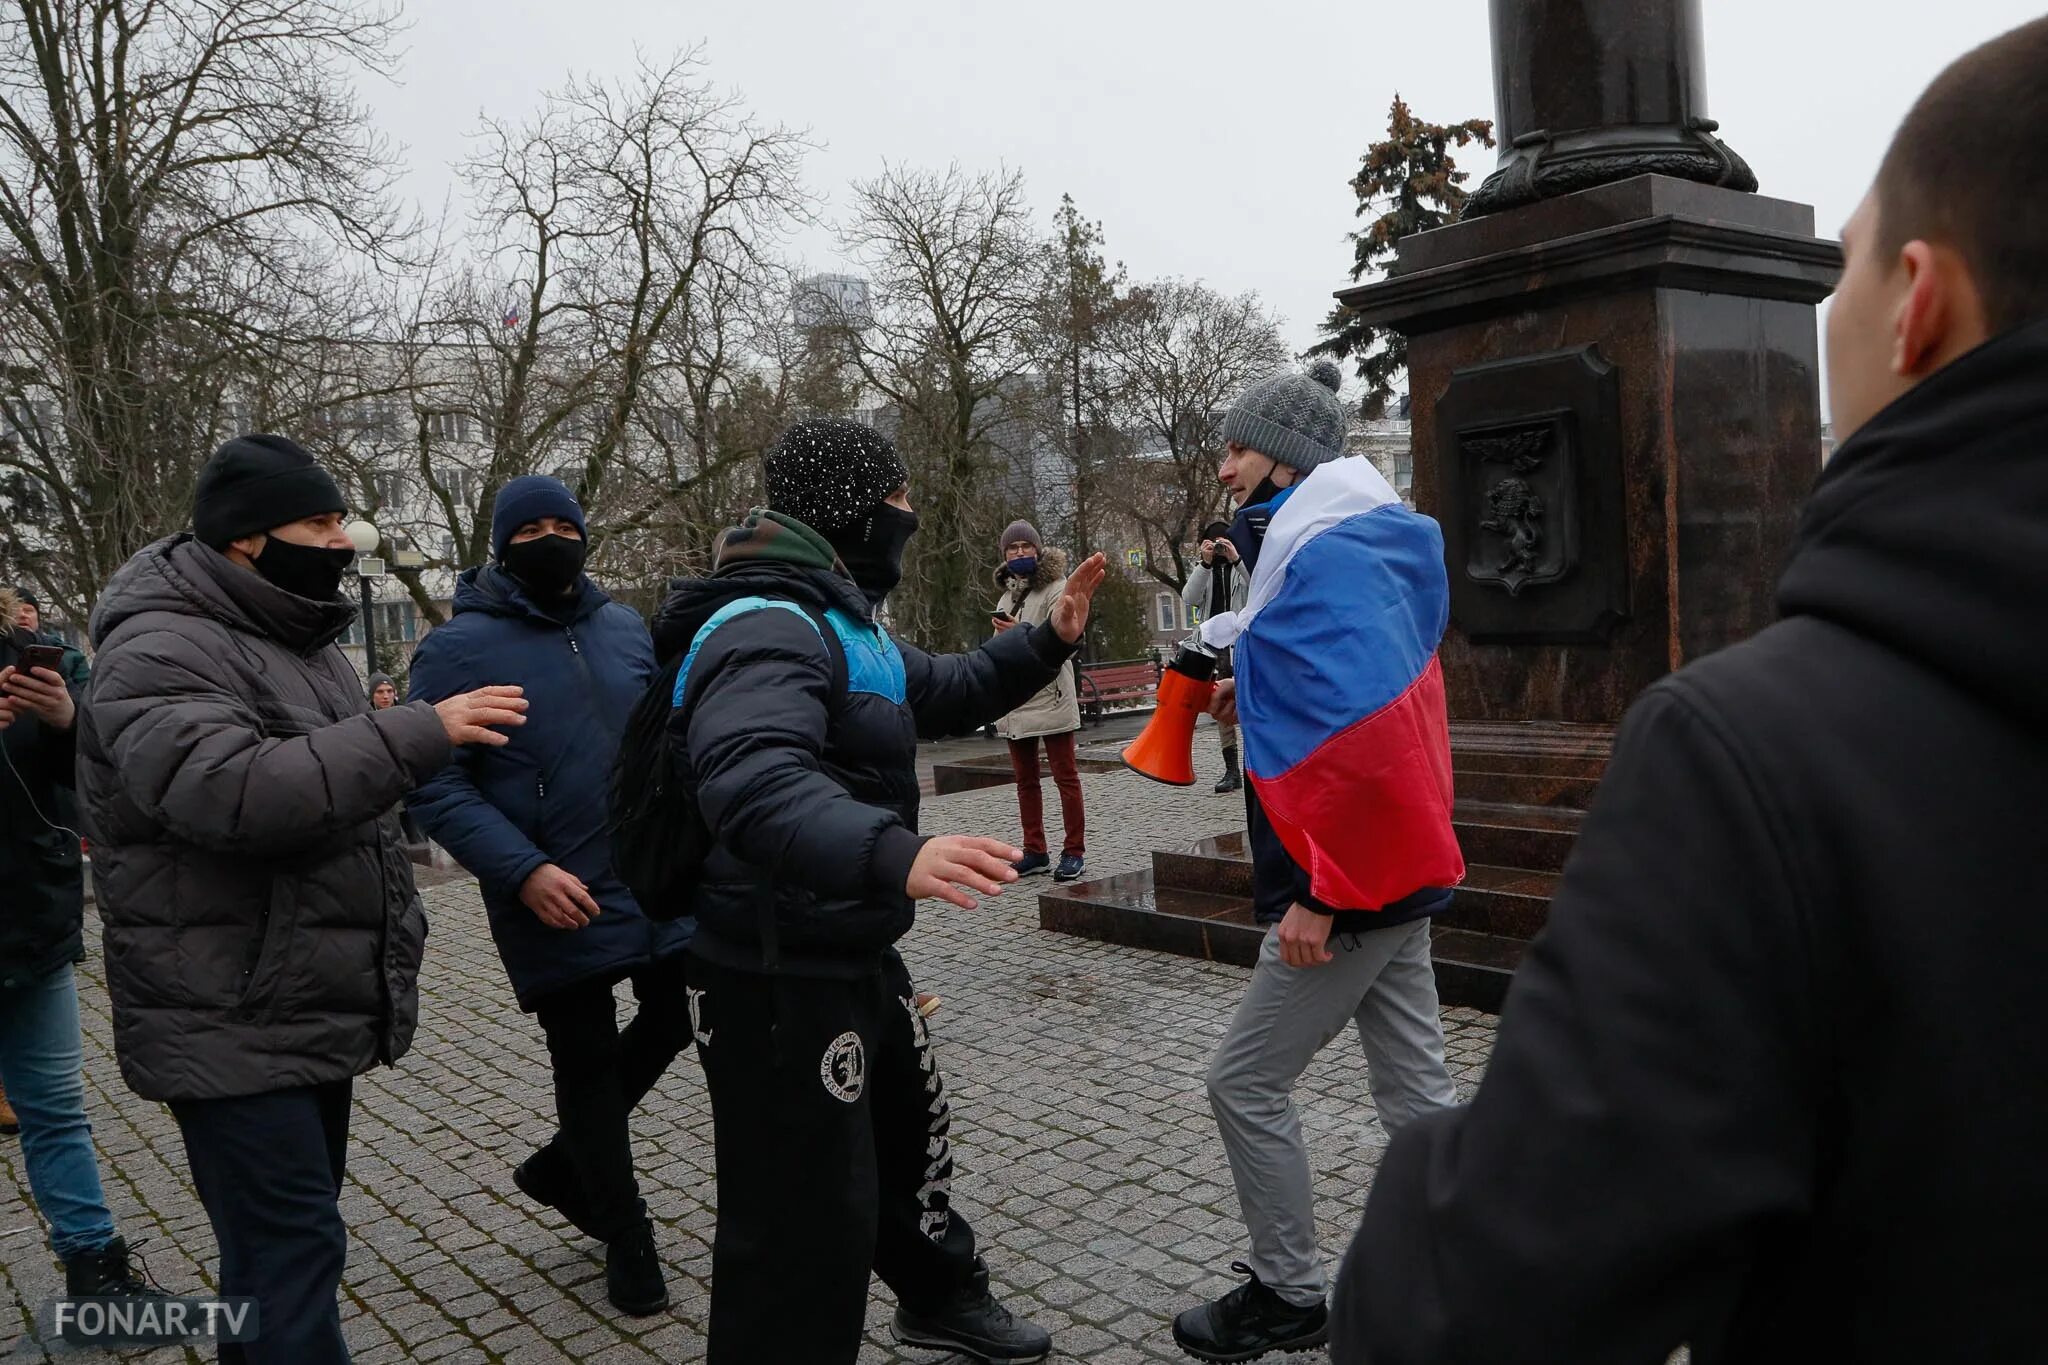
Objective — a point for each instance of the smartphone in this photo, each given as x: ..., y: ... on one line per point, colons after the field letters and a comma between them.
x: 42, y: 656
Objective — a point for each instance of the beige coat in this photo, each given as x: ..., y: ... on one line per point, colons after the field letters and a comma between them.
x: 1056, y: 710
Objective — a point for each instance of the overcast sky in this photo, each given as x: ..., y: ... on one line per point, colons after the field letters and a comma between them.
x: 1211, y: 140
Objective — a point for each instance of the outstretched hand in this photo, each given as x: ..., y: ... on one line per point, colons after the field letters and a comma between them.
x: 952, y: 861
x: 1070, y: 614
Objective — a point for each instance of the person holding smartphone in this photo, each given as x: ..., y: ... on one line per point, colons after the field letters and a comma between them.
x: 1031, y: 579
x: 41, y: 938
x: 71, y: 662
x: 1220, y: 583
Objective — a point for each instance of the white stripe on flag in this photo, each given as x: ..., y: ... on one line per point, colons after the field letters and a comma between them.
x: 1332, y: 493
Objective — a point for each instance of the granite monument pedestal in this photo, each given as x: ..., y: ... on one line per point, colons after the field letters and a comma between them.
x: 1614, y: 384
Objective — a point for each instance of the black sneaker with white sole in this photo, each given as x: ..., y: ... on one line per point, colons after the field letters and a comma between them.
x: 1031, y: 865
x: 974, y: 1324
x: 1072, y: 865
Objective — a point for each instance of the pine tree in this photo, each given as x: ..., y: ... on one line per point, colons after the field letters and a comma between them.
x: 1408, y: 183
x: 1083, y: 294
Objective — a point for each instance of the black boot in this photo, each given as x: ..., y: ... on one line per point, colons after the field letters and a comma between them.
x: 548, y: 1177
x: 1248, y: 1322
x: 105, y: 1274
x: 1233, y: 780
x: 974, y: 1324
x: 632, y: 1273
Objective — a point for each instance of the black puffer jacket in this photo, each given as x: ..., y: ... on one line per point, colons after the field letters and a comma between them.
x: 1771, y: 1083
x: 261, y: 926
x: 806, y: 774
x: 42, y: 886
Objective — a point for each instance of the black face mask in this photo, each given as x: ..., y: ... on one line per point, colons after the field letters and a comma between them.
x: 310, y: 571
x: 547, y: 566
x: 873, y: 553
x: 1264, y: 493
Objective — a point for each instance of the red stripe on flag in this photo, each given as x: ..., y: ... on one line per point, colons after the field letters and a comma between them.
x: 1368, y: 814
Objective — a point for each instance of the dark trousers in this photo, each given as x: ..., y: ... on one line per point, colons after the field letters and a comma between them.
x: 832, y: 1137
x: 602, y: 1072
x: 269, y: 1170
x: 1059, y: 755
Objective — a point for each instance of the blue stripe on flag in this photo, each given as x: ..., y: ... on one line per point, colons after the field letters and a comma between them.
x: 1361, y: 613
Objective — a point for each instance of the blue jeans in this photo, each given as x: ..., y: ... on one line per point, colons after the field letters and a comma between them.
x: 40, y: 1061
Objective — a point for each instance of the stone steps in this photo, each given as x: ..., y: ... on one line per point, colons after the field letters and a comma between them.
x: 1522, y: 793
x: 1196, y: 902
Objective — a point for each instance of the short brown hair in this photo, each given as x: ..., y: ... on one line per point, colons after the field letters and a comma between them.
x: 1969, y: 168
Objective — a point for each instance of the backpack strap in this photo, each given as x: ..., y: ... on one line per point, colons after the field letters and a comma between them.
x: 835, y: 650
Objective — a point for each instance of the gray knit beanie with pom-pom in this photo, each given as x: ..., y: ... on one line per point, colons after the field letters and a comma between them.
x: 1293, y: 417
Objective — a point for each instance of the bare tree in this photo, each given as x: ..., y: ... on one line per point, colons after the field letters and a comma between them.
x: 186, y: 188
x: 1173, y: 359
x: 626, y: 279
x: 953, y: 270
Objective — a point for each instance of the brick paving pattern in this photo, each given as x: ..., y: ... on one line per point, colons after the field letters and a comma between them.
x: 1088, y: 1160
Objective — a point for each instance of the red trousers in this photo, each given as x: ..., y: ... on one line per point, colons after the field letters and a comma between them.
x: 1059, y: 753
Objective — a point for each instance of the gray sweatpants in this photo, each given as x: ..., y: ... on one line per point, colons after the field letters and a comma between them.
x: 1382, y: 982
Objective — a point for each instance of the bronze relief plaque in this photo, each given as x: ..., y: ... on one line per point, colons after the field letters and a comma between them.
x: 1530, y: 459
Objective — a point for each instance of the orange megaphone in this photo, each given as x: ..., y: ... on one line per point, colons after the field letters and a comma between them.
x: 1165, y: 752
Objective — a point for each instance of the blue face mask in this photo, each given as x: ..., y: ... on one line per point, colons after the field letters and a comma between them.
x: 1023, y: 566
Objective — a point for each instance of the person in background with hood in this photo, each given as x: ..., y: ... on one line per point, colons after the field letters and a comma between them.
x: 41, y: 936
x: 796, y: 723
x: 1032, y: 579
x: 1219, y: 583
x: 383, y: 692
x: 1770, y: 1083
x: 263, y: 936
x: 529, y: 819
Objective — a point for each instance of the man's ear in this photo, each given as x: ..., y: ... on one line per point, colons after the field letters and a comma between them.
x: 1940, y: 316
x: 250, y: 546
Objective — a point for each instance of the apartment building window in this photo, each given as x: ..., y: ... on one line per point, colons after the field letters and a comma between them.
x: 1166, y: 610
x: 448, y: 426
x: 390, y: 486
x: 397, y: 622
x: 461, y: 484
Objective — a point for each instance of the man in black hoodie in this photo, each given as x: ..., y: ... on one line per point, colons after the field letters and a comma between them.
x: 796, y: 724
x: 1770, y: 1083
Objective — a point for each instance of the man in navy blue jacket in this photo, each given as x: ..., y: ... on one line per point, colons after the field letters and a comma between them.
x: 529, y: 820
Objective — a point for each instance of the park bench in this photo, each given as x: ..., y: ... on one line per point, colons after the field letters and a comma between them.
x: 1120, y: 683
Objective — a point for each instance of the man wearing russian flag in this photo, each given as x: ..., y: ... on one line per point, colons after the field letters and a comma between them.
x: 1347, y: 749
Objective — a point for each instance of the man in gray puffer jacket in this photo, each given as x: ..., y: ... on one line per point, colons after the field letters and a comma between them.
x: 262, y: 931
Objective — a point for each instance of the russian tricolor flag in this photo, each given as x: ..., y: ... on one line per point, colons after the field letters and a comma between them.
x: 1339, y: 690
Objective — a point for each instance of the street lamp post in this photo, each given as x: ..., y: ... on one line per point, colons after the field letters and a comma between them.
x: 366, y: 538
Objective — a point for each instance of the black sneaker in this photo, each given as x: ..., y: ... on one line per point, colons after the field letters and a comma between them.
x: 1072, y: 865
x: 632, y: 1273
x: 1248, y: 1322
x: 974, y: 1325
x: 548, y: 1178
x: 106, y: 1273
x: 1031, y: 864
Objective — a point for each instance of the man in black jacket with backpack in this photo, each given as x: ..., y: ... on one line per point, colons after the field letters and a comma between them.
x: 1770, y: 1083
x: 796, y: 721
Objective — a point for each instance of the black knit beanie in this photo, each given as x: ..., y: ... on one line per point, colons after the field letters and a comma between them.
x: 258, y: 483
x: 830, y: 474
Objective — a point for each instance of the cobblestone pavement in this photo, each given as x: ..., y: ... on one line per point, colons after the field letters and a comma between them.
x: 1088, y: 1160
